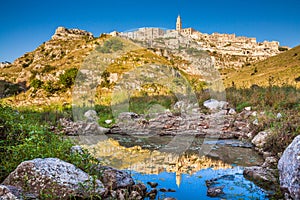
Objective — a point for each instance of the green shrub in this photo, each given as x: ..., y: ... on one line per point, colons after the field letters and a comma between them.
x: 67, y: 79
x: 110, y: 46
x: 36, y: 83
x: 22, y: 137
x: 51, y: 87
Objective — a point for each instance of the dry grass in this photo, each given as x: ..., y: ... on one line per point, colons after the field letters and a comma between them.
x: 282, y: 69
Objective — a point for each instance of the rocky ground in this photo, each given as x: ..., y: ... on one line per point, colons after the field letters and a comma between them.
x: 40, y: 178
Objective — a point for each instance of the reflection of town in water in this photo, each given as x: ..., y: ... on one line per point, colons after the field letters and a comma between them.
x: 148, y: 161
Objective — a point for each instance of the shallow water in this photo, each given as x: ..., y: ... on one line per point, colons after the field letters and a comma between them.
x: 147, y: 159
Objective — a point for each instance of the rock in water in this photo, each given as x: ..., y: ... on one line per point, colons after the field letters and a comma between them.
x: 152, y: 184
x: 115, y: 179
x: 215, y: 191
x: 289, y: 169
x: 152, y: 194
x: 263, y: 177
x: 54, y: 177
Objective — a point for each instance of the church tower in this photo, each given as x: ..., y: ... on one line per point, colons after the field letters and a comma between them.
x: 178, y: 24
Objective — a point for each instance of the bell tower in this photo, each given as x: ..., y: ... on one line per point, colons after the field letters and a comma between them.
x: 178, y: 24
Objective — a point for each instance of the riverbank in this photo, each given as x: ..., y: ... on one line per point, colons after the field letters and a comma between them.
x: 271, y: 126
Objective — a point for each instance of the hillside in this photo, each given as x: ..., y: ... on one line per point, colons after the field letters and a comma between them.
x: 46, y: 75
x: 282, y: 69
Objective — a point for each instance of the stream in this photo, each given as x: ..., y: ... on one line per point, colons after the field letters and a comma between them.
x: 145, y: 158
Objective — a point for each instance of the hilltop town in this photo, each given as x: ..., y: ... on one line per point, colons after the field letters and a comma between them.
x: 228, y: 50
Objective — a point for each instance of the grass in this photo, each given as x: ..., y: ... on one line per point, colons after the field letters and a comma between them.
x: 271, y: 100
x: 283, y: 69
x: 26, y: 135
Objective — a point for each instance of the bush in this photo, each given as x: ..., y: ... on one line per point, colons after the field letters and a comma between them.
x: 110, y: 46
x: 67, y: 79
x: 50, y: 87
x: 24, y: 138
x: 36, y: 83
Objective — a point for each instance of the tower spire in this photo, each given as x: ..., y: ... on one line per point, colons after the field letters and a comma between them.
x: 178, y: 24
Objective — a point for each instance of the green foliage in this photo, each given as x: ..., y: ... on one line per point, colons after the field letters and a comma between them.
x: 242, y: 105
x: 195, y: 52
x: 271, y: 100
x: 36, y: 83
x: 105, y: 79
x: 104, y: 113
x: 50, y: 87
x: 67, y: 79
x: 282, y: 48
x: 24, y: 137
x: 111, y: 45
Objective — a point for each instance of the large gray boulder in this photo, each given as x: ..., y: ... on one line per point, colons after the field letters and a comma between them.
x: 54, y: 178
x: 289, y: 169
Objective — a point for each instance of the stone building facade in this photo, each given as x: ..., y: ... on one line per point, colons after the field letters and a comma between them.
x: 229, y: 50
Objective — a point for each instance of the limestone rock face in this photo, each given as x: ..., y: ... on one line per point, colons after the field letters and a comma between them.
x: 52, y: 176
x: 289, y: 169
x: 63, y: 33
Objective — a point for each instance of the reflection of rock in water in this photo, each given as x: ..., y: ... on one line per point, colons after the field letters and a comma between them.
x: 151, y: 162
x: 154, y: 162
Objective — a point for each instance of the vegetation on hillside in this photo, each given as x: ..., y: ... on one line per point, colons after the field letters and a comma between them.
x: 282, y: 69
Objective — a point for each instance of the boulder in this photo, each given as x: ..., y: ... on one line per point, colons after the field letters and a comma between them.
x: 260, y: 139
x: 54, y: 177
x: 91, y: 116
x: 82, y: 128
x: 115, y: 179
x: 213, y: 104
x: 263, y: 177
x: 289, y: 169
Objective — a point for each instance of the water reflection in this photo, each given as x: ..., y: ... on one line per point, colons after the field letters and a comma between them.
x: 142, y: 155
x: 186, y: 173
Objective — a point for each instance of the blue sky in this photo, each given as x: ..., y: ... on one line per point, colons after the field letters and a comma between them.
x: 27, y: 24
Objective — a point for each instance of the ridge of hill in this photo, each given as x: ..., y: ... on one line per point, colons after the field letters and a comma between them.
x: 280, y: 70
